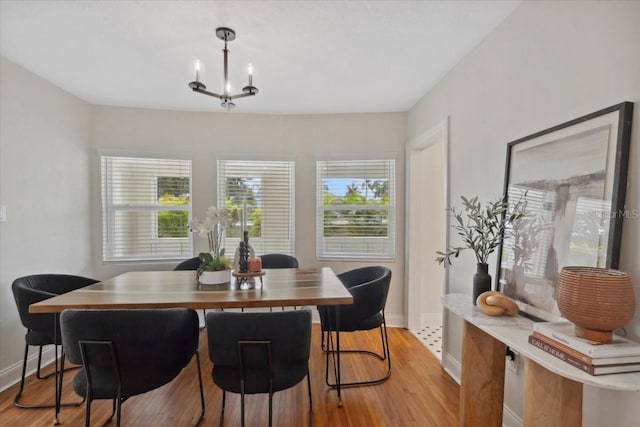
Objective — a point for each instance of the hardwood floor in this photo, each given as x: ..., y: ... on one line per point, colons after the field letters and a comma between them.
x: 419, y: 393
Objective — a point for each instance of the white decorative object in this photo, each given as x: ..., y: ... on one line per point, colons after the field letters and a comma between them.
x: 213, y: 229
x: 215, y: 277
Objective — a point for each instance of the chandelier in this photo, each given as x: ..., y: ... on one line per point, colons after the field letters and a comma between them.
x: 228, y: 35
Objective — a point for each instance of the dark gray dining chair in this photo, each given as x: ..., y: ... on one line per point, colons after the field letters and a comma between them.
x: 274, y: 261
x: 259, y: 353
x: 188, y: 264
x: 369, y: 287
x: 125, y: 353
x: 42, y: 329
x: 278, y: 261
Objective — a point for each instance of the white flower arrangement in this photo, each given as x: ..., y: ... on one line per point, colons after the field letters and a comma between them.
x: 216, y: 220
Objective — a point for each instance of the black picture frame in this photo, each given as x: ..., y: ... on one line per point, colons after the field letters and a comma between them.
x: 573, y: 177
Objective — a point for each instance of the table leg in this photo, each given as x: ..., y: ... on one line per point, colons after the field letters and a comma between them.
x: 482, y: 388
x: 550, y: 400
x: 338, y: 356
x: 58, y: 386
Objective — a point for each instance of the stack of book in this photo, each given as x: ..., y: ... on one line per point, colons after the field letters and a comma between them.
x: 558, y: 339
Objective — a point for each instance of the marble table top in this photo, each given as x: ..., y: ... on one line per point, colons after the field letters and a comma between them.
x: 514, y: 332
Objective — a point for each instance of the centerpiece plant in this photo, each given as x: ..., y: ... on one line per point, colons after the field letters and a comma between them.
x: 213, y: 226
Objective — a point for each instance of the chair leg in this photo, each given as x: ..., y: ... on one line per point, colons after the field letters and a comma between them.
x: 270, y: 409
x: 24, y: 371
x: 118, y: 411
x: 224, y: 396
x: 242, y: 401
x: 270, y: 403
x: 16, y: 400
x: 39, y: 362
x: 384, y: 356
x: 113, y: 412
x: 310, y: 400
x: 87, y: 411
x: 201, y: 388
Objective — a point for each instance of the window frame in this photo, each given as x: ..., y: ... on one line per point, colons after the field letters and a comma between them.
x: 389, y: 251
x: 260, y: 244
x: 109, y: 209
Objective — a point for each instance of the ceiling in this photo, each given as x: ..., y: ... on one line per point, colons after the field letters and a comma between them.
x: 309, y: 57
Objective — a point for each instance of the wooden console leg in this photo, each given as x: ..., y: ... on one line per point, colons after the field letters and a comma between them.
x: 482, y: 389
x: 550, y: 400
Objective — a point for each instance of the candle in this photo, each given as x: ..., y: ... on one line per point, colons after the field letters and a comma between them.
x: 254, y: 265
x: 244, y: 216
x: 250, y: 75
x: 197, y: 70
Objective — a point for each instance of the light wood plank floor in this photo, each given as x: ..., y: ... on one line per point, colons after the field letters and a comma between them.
x: 419, y: 393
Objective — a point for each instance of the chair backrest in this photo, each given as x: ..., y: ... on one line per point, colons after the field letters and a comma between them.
x: 188, y: 264
x: 289, y: 335
x: 151, y: 346
x: 369, y: 287
x: 279, y: 261
x: 28, y: 290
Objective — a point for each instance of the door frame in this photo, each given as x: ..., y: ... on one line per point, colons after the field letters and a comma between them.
x: 432, y: 136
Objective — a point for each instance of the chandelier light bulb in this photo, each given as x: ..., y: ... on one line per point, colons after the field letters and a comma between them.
x: 227, y: 88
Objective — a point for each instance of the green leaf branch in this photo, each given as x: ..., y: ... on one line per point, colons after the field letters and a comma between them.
x: 481, y: 227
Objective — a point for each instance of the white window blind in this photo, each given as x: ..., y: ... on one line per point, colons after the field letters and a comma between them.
x: 355, y: 209
x: 267, y: 188
x: 146, y: 208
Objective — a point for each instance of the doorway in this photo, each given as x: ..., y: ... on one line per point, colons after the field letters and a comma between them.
x: 427, y: 230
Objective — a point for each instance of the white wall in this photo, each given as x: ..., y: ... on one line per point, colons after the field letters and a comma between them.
x: 547, y: 63
x: 303, y: 138
x: 44, y: 171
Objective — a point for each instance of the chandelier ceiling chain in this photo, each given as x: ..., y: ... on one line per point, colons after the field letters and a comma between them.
x: 226, y: 35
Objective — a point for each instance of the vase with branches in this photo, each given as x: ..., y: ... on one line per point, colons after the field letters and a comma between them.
x: 481, y: 229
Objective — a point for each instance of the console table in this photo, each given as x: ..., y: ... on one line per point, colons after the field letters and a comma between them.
x: 553, y: 388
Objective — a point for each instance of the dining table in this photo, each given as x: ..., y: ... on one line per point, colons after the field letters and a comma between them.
x: 288, y: 287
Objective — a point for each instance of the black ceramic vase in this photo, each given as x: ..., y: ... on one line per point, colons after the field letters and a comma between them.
x: 481, y: 281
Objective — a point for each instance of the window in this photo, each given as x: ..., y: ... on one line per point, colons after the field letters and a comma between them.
x: 356, y: 209
x: 146, y: 208
x: 266, y: 188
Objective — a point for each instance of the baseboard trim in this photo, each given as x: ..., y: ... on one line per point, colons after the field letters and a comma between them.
x: 510, y: 418
x: 11, y: 375
x: 452, y: 367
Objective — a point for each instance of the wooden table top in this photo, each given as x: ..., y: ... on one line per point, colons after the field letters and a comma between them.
x: 166, y: 289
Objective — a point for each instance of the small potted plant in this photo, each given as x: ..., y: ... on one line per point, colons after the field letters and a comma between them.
x: 481, y: 229
x: 214, y: 265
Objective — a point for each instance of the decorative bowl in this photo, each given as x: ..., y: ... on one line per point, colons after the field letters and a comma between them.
x: 597, y: 300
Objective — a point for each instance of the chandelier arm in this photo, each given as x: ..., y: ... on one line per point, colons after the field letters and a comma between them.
x: 242, y: 95
x: 206, y: 92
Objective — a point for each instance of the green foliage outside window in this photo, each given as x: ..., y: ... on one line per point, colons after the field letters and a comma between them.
x: 355, y: 220
x: 238, y: 190
x: 173, y: 191
x: 173, y: 223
